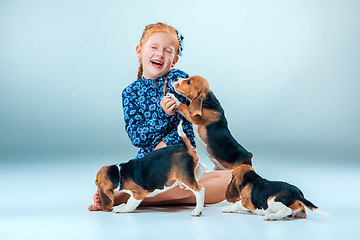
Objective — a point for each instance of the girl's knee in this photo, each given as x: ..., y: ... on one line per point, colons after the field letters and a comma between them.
x: 224, y: 175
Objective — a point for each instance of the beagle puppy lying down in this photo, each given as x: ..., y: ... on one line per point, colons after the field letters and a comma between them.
x: 157, y: 172
x: 206, y: 113
x: 276, y: 200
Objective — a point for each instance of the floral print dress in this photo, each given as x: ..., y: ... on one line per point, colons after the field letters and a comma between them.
x: 146, y: 123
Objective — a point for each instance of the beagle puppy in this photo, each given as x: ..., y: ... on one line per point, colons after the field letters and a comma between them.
x: 157, y: 172
x: 207, y: 115
x: 275, y: 200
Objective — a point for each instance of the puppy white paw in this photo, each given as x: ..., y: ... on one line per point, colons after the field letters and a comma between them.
x: 121, y: 209
x: 268, y: 218
x: 172, y: 96
x: 184, y: 187
x: 196, y: 213
x: 228, y: 209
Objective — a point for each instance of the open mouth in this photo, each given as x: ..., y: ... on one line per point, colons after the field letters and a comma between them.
x: 156, y: 63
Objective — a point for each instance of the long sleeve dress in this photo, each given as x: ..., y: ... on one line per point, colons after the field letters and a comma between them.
x: 146, y: 123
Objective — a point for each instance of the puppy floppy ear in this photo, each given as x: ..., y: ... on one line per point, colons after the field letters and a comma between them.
x: 232, y: 192
x: 106, y: 197
x: 196, y: 105
x: 105, y: 188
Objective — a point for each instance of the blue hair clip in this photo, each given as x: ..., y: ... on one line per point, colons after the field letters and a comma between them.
x: 180, y: 39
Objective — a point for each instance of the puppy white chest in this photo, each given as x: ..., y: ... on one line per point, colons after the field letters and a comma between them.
x: 213, y: 160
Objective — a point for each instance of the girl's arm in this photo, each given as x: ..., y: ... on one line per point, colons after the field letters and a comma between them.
x: 142, y: 130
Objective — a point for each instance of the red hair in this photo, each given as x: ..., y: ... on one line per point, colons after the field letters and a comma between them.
x: 154, y: 28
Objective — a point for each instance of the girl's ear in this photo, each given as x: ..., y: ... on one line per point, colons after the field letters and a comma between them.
x: 176, y: 58
x: 138, y: 51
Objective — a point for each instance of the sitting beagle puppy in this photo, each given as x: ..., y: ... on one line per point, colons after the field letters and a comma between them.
x: 206, y: 113
x: 276, y: 200
x: 157, y: 172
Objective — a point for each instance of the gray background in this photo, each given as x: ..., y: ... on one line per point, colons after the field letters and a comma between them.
x: 286, y: 73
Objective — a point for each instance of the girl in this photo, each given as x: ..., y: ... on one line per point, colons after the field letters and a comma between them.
x: 150, y: 118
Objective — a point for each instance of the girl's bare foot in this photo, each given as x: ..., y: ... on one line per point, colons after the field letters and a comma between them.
x: 119, y: 198
x: 97, y: 204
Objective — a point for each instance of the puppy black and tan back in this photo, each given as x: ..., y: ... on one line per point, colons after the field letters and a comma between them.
x: 157, y: 172
x: 276, y: 200
x: 207, y: 115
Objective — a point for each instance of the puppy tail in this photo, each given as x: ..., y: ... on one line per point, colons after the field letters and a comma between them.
x: 321, y: 212
x: 313, y: 208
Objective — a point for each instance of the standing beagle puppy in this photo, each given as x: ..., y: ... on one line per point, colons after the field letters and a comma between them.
x: 157, y: 172
x: 206, y: 113
x: 276, y: 200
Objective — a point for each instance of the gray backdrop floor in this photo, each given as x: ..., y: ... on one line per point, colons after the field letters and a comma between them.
x: 47, y: 198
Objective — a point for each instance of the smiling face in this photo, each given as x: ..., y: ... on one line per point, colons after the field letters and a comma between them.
x: 158, y: 54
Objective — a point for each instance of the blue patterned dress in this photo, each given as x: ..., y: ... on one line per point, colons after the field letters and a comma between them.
x: 146, y: 123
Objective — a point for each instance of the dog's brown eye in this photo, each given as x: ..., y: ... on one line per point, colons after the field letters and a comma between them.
x: 188, y: 82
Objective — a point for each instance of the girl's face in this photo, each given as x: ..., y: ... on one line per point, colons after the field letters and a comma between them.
x: 157, y: 55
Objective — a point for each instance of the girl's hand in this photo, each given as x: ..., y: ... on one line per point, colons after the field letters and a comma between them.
x: 172, y: 96
x: 168, y: 105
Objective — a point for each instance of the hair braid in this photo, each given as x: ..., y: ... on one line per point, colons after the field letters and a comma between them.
x: 140, y: 71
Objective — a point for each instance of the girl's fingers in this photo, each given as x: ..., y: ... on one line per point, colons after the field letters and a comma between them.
x: 170, y: 104
x: 96, y: 198
x: 166, y: 99
x: 172, y: 107
x: 166, y: 102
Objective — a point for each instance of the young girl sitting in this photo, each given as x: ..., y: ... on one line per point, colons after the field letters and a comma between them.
x: 150, y: 117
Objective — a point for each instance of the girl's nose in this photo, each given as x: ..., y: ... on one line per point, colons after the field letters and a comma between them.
x: 160, y: 53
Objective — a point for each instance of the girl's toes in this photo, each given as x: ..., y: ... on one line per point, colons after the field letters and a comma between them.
x: 95, y: 207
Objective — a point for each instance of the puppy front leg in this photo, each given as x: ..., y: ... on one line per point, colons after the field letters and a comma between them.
x: 200, y: 198
x: 130, y: 206
x: 183, y: 109
x: 235, y: 207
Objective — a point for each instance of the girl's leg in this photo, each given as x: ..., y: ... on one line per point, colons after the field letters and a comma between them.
x: 215, y: 184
